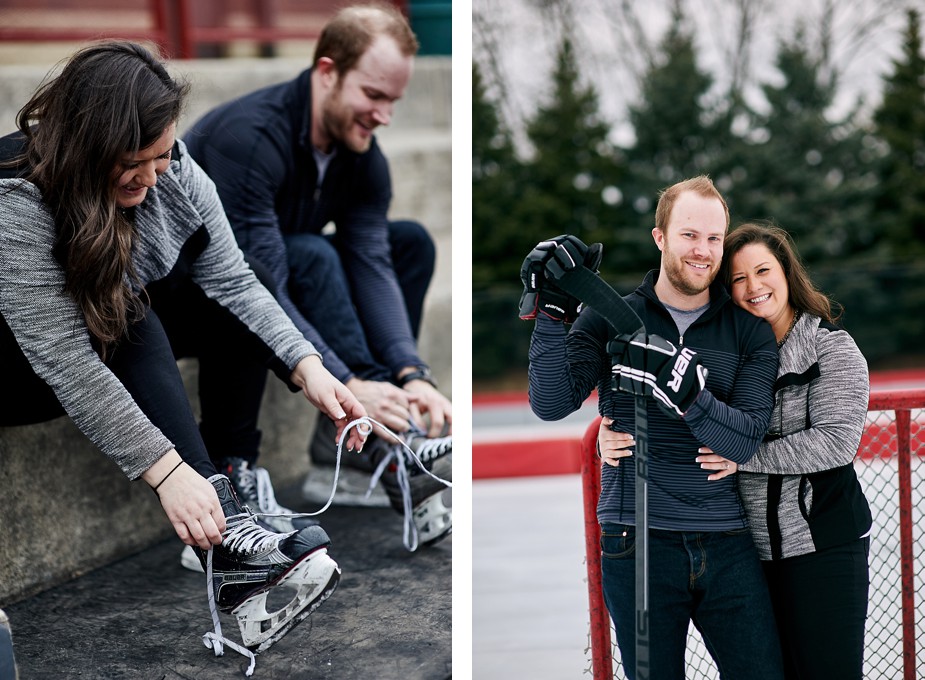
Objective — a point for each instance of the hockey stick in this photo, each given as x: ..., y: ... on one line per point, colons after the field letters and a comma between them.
x: 593, y: 291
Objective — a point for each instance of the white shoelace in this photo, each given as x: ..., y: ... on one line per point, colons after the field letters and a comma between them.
x: 410, y: 530
x: 434, y: 448
x: 250, y: 537
x: 245, y: 537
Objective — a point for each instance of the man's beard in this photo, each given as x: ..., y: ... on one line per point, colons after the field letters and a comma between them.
x: 338, y: 120
x: 674, y: 270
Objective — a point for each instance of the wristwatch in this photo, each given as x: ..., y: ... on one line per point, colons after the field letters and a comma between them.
x: 420, y: 373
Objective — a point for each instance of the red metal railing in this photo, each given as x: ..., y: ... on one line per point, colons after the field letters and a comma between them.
x: 899, y: 431
x: 173, y: 28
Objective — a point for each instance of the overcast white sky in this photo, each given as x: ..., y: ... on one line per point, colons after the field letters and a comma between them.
x: 527, y: 42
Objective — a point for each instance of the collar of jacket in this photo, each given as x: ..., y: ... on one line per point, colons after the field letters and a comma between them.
x: 302, y: 93
x: 799, y: 354
x: 719, y: 296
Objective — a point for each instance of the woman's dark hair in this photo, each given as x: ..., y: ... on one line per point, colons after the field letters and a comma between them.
x: 110, y: 100
x: 804, y: 296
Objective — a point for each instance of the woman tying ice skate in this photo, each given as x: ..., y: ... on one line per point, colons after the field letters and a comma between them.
x: 115, y: 259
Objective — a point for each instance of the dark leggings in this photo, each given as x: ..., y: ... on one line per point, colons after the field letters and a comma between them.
x: 820, y: 604
x: 180, y: 322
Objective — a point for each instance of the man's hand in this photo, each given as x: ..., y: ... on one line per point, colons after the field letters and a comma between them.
x: 331, y: 397
x: 432, y: 404
x: 189, y: 501
x: 384, y: 402
x: 546, y: 263
x: 612, y: 446
x: 649, y: 365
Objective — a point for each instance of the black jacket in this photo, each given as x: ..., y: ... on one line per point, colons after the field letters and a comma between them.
x: 730, y: 416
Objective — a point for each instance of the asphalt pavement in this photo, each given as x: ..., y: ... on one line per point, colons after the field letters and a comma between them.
x: 142, y: 618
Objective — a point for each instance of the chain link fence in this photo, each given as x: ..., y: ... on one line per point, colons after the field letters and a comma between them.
x: 892, y: 473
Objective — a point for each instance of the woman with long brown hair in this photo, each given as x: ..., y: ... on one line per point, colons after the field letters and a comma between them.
x: 115, y: 258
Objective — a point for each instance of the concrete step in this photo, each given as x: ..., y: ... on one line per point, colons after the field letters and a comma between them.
x: 426, y: 104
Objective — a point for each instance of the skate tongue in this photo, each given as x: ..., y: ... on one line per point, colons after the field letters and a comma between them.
x: 226, y: 496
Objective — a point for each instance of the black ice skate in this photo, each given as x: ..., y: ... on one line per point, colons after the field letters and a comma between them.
x: 415, y: 470
x: 352, y: 472
x: 255, y: 491
x: 250, y: 562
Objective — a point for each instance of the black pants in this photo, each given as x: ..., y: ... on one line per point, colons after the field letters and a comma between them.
x: 820, y: 604
x: 180, y: 322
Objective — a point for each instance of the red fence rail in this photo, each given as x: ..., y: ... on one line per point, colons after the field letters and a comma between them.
x: 886, y: 438
x: 172, y: 24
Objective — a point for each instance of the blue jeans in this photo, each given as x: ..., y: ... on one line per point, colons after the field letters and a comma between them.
x: 319, y: 287
x: 711, y: 578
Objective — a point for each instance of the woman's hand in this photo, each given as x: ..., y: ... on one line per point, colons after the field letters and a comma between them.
x: 612, y: 446
x: 331, y: 397
x: 713, y: 461
x: 188, y: 499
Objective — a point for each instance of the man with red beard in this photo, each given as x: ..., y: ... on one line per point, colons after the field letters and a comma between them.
x: 704, y: 567
x: 292, y: 158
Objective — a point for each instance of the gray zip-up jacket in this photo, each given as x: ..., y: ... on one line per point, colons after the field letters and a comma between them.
x: 800, y: 490
x: 50, y: 328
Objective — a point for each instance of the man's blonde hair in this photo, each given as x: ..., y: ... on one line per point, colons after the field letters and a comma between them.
x: 347, y: 36
x: 701, y: 185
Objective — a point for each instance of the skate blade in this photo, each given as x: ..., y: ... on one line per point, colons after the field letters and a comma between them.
x: 315, y: 578
x: 351, y: 488
x: 434, y: 521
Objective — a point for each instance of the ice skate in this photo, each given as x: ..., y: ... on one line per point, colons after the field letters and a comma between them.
x: 250, y: 562
x: 254, y: 490
x: 415, y: 492
x: 355, y: 472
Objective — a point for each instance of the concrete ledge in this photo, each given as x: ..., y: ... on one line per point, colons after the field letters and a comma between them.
x: 426, y: 104
x: 66, y: 508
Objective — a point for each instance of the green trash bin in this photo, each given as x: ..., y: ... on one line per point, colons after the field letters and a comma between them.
x: 432, y: 23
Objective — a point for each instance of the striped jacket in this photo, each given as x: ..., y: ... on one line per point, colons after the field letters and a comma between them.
x: 50, y: 329
x: 800, y: 490
x: 730, y: 415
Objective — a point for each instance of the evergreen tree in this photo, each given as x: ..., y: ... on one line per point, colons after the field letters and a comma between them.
x: 495, y: 170
x: 675, y: 138
x: 672, y: 137
x: 570, y: 181
x: 900, y: 123
x: 801, y: 170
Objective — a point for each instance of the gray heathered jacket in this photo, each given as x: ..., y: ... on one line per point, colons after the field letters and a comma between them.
x: 800, y: 490
x: 50, y: 328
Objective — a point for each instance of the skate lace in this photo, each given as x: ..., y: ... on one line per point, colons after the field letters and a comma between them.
x: 243, y: 536
x: 214, y: 640
x: 432, y: 449
x: 249, y: 537
x: 266, y: 498
x: 402, y: 455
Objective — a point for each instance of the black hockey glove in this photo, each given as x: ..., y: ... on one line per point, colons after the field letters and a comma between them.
x: 547, y: 262
x: 649, y: 365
